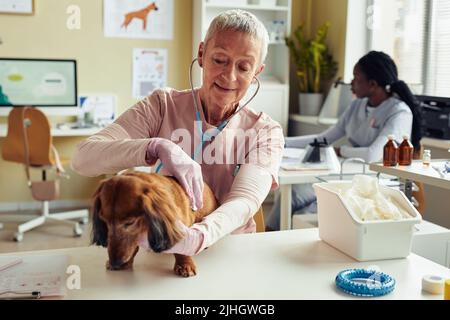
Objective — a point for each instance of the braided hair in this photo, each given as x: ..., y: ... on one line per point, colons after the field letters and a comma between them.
x: 380, y: 67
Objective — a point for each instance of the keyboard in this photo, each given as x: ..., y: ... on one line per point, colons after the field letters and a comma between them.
x: 67, y: 126
x: 84, y: 126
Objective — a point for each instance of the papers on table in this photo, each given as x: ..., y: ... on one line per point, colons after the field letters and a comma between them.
x: 102, y: 108
x: 293, y: 160
x: 293, y: 153
x: 43, y: 273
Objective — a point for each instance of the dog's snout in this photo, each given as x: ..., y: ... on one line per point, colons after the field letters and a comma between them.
x: 116, y: 264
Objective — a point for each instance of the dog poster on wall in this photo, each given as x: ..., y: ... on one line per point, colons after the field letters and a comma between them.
x: 145, y: 19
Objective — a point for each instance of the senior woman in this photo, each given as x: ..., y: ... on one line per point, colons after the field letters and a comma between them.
x: 232, y: 55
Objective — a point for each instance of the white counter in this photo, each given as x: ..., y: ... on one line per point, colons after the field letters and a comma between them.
x: 416, y: 172
x: 292, y: 264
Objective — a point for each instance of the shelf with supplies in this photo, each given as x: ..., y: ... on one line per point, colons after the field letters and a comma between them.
x: 244, y: 6
x: 277, y: 43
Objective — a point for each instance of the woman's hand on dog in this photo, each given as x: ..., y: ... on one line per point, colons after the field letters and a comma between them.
x: 190, y: 244
x: 181, y: 166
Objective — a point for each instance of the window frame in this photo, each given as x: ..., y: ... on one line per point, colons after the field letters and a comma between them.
x: 427, y: 44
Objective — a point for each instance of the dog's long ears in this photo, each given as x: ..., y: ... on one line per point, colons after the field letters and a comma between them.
x: 157, y: 233
x: 161, y: 215
x: 99, y: 228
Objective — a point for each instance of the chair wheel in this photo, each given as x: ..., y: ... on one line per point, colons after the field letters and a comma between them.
x: 18, y: 236
x: 77, y: 231
x: 84, y: 221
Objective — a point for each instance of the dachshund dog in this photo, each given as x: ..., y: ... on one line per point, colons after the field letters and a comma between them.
x: 134, y: 206
x: 139, y: 14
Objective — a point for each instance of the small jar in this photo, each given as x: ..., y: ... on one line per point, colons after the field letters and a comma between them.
x: 426, y: 158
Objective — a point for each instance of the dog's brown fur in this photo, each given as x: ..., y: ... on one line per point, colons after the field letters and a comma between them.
x: 139, y: 14
x: 134, y: 205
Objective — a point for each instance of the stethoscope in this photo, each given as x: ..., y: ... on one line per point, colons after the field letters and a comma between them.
x: 203, y: 135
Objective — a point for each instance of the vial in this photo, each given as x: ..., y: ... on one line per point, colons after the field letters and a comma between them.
x: 390, y: 152
x: 426, y: 158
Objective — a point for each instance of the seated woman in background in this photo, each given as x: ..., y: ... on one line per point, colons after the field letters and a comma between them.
x: 385, y: 105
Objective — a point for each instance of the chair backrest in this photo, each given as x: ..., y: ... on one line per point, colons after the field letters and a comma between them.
x: 38, y: 134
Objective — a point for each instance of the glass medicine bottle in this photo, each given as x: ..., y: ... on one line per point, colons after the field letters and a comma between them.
x: 405, y: 152
x: 426, y: 158
x: 390, y: 152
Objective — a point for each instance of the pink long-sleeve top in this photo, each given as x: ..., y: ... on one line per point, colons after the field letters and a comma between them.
x: 170, y: 114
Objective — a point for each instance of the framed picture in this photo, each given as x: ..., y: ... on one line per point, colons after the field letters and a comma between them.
x: 25, y: 7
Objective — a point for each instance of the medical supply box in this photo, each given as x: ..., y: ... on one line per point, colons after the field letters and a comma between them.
x: 363, y: 240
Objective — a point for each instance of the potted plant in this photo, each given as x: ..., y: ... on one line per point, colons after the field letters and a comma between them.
x: 314, y: 65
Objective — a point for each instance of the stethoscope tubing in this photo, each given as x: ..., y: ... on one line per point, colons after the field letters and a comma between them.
x: 204, y: 136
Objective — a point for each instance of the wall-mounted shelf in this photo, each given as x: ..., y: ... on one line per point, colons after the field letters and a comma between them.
x: 248, y: 7
x: 282, y: 43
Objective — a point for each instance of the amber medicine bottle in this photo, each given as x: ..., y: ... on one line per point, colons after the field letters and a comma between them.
x: 405, y: 152
x: 390, y: 152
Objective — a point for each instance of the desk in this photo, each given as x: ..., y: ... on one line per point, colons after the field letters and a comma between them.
x: 288, y: 178
x: 435, y: 143
x: 437, y: 211
x: 60, y: 132
x: 415, y: 172
x: 293, y: 264
x: 436, y: 188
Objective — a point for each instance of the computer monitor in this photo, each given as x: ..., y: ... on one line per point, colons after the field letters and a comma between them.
x: 50, y: 85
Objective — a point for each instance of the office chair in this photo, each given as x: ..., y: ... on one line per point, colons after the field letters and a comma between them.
x: 29, y: 142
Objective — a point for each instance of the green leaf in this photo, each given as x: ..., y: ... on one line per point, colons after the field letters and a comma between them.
x: 314, y: 63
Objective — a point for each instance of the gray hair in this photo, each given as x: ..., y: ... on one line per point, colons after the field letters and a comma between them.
x: 242, y: 21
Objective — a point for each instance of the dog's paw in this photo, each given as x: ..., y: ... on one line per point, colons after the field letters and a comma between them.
x: 185, y: 269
